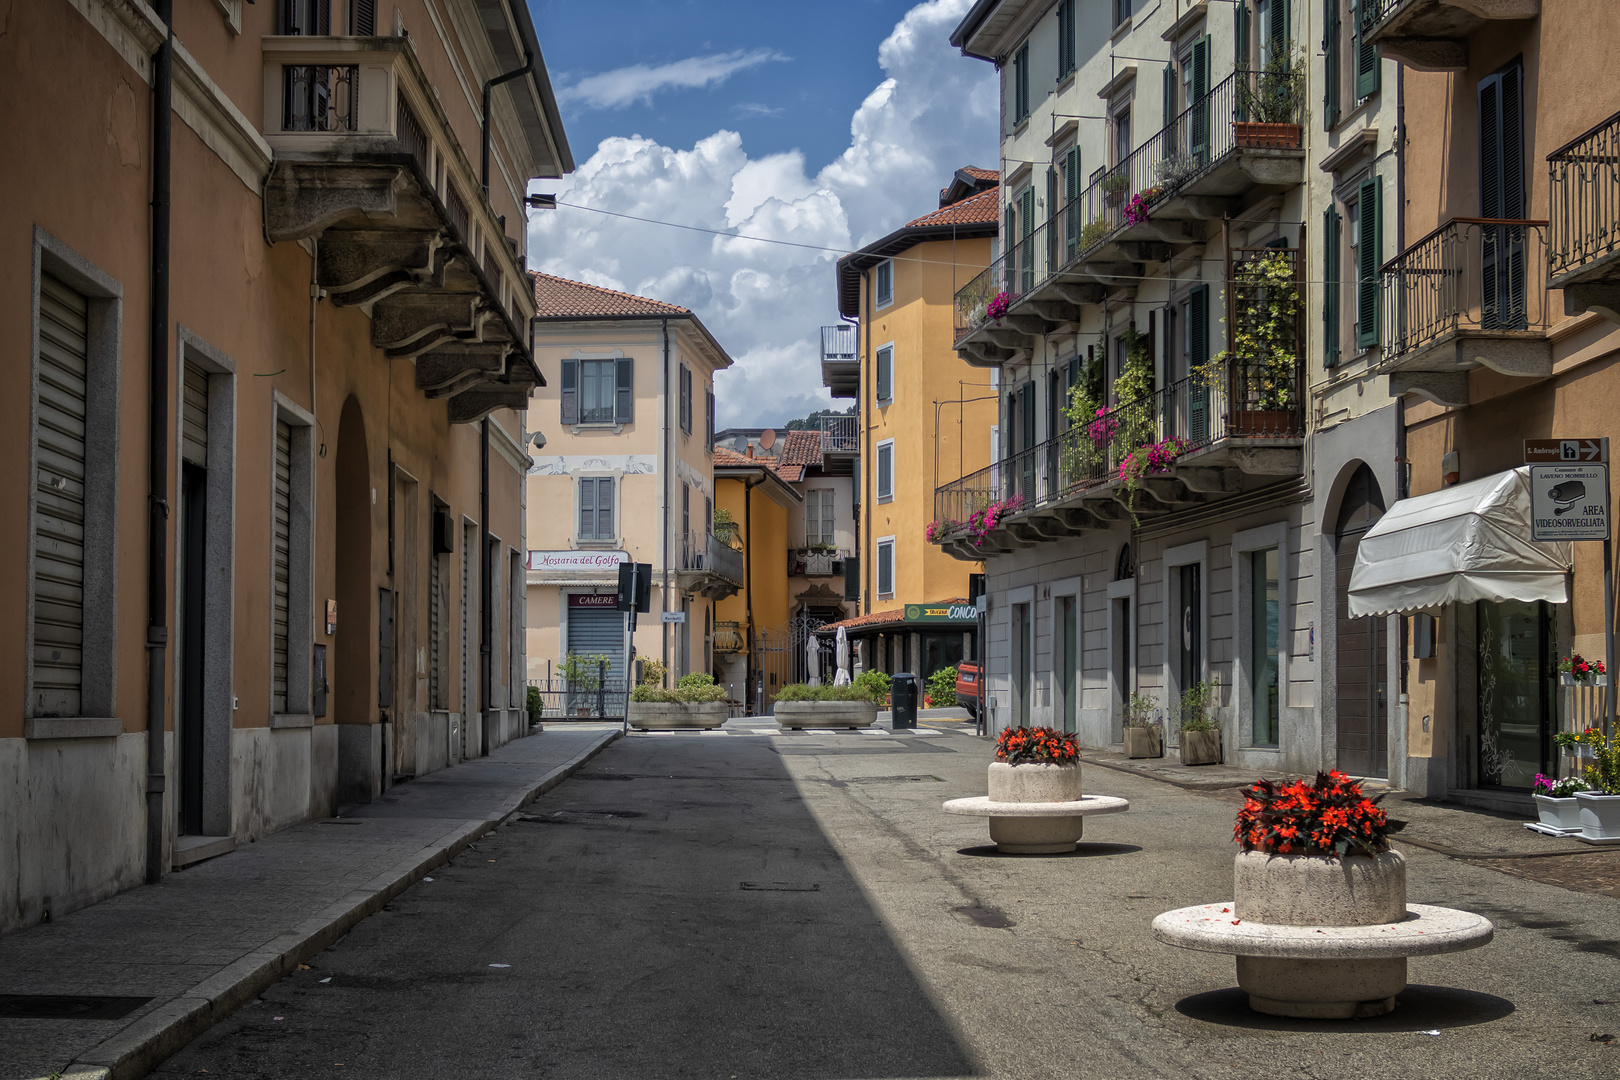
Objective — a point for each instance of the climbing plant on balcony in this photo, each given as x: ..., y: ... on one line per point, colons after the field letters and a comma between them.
x: 1263, y: 359
x: 1085, y: 450
x: 1134, y: 416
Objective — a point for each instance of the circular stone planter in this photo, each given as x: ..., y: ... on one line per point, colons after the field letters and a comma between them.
x: 1320, y: 937
x: 796, y: 715
x: 676, y: 715
x: 1035, y: 809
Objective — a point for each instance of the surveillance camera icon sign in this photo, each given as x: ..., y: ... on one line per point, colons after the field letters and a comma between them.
x: 1567, y: 496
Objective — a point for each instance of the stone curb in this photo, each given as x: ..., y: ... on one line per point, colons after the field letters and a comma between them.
x: 141, y: 1047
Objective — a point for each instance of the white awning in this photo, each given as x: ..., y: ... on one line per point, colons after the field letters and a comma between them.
x: 1459, y: 544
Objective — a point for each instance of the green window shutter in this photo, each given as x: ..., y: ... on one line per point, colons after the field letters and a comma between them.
x: 1169, y: 94
x: 1366, y: 57
x: 1330, y: 64
x: 1026, y: 211
x: 624, y: 398
x: 1240, y: 55
x: 1370, y: 258
x: 1071, y: 202
x: 1200, y: 117
x: 1027, y: 394
x: 1197, y: 356
x: 1330, y: 287
x: 1277, y: 32
x: 570, y: 391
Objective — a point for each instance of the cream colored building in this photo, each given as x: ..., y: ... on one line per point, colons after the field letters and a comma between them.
x: 626, y: 474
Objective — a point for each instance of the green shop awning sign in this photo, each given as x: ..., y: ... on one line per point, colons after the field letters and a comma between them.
x: 941, y: 613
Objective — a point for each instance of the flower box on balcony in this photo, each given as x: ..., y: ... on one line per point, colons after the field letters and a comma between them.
x: 1260, y: 423
x: 1251, y: 135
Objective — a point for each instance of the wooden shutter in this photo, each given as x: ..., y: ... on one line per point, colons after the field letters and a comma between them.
x: 363, y: 17
x: 885, y: 471
x: 1277, y: 32
x: 1197, y: 356
x: 1369, y: 258
x: 1199, y: 136
x: 1501, y: 145
x: 885, y: 373
x: 708, y: 412
x: 281, y: 567
x: 1241, y: 57
x: 1366, y: 56
x: 385, y: 648
x: 624, y: 398
x: 1169, y: 89
x: 686, y: 398
x: 570, y: 391
x: 194, y: 415
x: 1330, y: 287
x: 59, y: 500
x: 1071, y: 202
x: 604, y: 508
x: 1330, y: 64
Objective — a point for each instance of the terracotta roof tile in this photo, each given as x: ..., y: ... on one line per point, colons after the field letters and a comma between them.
x: 802, y: 447
x: 973, y: 210
x: 556, y: 297
x: 982, y: 174
x: 730, y: 459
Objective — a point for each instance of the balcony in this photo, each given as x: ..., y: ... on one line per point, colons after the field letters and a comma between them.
x: 840, y: 434
x: 1432, y: 35
x: 841, y: 360
x: 368, y: 168
x: 710, y: 566
x: 816, y: 560
x: 1473, y: 293
x: 1583, y: 241
x: 1242, y: 140
x: 728, y: 636
x: 1202, y: 439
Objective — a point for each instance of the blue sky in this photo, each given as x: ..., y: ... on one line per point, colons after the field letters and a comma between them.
x: 826, y: 125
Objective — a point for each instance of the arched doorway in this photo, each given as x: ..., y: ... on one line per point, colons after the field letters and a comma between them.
x: 351, y: 676
x: 1361, y: 699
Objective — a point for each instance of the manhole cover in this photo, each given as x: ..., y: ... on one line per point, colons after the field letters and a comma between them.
x: 67, y: 1007
x: 895, y: 780
x: 779, y: 886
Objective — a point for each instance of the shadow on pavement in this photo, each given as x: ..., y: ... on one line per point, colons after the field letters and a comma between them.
x: 1082, y: 851
x: 1419, y: 1008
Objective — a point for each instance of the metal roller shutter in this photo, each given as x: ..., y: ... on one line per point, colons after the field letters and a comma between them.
x: 435, y: 631
x: 59, y: 500
x: 194, y: 416
x: 281, y: 566
x: 599, y: 631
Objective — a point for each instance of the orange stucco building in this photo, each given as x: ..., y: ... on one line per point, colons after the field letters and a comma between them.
x: 265, y: 456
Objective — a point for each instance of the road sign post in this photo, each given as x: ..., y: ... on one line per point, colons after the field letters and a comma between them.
x: 1569, y: 500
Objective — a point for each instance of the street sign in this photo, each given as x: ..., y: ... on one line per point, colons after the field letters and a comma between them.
x: 1569, y: 502
x: 675, y: 616
x: 1564, y: 451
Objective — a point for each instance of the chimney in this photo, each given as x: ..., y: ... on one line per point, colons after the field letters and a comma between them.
x: 750, y: 449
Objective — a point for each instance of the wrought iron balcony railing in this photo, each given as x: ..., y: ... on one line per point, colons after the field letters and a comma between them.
x: 1584, y: 199
x: 1482, y: 276
x: 320, y: 97
x: 706, y: 552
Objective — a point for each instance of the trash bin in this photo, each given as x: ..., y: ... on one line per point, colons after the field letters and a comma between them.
x: 903, y: 701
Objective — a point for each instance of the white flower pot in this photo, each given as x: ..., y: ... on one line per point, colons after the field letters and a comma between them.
x: 1600, y: 815
x: 1559, y: 813
x: 1596, y: 680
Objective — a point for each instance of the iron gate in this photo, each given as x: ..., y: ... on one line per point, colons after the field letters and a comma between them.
x: 782, y: 657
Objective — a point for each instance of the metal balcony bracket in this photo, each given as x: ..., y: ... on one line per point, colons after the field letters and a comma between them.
x: 1445, y: 388
x: 304, y: 199
x: 1211, y: 481
x: 1268, y: 460
x: 456, y: 361
x: 407, y: 319
x: 363, y: 266
x: 1600, y: 296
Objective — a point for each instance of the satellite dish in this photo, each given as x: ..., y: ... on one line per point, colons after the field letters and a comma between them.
x: 767, y: 438
x: 740, y: 444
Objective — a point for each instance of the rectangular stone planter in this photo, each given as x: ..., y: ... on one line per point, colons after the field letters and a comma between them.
x: 1200, y: 747
x: 1559, y: 813
x: 675, y: 715
x: 1600, y: 816
x: 825, y: 714
x: 1144, y: 742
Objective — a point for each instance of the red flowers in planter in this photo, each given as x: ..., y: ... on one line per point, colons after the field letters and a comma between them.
x: 1036, y: 746
x: 1327, y: 817
x: 1580, y: 668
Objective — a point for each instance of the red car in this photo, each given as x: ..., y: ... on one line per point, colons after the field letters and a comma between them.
x: 967, y: 688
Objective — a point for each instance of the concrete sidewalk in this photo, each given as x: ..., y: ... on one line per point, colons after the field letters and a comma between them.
x: 210, y: 938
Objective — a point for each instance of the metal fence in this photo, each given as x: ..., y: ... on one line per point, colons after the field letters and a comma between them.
x: 705, y: 551
x: 1583, y: 198
x: 1470, y: 274
x: 839, y: 434
x: 320, y: 97
x: 589, y: 699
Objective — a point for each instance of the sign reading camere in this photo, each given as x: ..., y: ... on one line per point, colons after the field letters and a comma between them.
x: 1569, y: 502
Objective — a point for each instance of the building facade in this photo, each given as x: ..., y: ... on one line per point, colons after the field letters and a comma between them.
x: 626, y: 475
x: 1191, y: 224
x: 1498, y: 310
x: 267, y: 449
x: 925, y: 414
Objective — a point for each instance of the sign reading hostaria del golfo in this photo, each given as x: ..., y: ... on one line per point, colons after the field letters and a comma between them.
x: 941, y: 613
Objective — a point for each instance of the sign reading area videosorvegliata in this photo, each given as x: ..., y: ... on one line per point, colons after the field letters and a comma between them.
x: 1569, y: 502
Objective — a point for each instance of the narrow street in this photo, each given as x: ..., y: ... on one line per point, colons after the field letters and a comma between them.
x: 751, y: 904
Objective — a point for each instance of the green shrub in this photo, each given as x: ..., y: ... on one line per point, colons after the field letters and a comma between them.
x: 941, y: 688
x: 806, y: 692
x: 1195, y: 706
x: 653, y: 672
x: 876, y: 685
x: 535, y: 704
x: 694, y: 689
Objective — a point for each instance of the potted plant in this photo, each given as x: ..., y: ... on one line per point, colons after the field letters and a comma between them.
x: 725, y: 528
x: 1094, y: 231
x: 800, y: 705
x: 1200, y: 734
x: 1035, y: 805
x: 1262, y: 366
x: 1114, y: 186
x: 695, y: 702
x: 998, y: 306
x: 1556, y: 803
x: 1143, y: 739
x: 1136, y: 211
x: 1577, y: 670
x: 1600, y: 803
x: 1269, y: 100
x: 1173, y: 171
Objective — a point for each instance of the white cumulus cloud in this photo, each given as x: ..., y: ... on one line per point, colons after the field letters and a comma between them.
x: 933, y: 112
x: 625, y: 86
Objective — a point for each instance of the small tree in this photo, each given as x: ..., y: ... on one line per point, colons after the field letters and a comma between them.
x: 941, y: 688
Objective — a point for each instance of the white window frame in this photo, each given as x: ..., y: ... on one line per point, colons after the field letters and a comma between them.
x: 613, y: 482
x: 881, y: 298
x: 883, y: 485
x: 884, y: 356
x: 826, y: 501
x: 1244, y: 544
x: 882, y: 544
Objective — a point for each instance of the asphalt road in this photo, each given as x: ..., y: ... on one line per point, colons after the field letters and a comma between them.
x: 738, y: 905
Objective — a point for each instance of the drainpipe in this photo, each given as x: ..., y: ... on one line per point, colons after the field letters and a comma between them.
x: 663, y: 492
x: 486, y: 624
x: 748, y: 586
x: 157, y: 585
x: 528, y: 66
